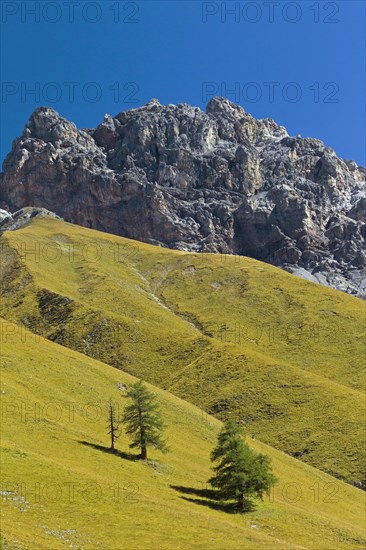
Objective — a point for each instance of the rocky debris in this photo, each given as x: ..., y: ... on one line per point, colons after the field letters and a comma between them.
x: 214, y: 181
x: 19, y: 501
x: 4, y: 217
x: 10, y: 222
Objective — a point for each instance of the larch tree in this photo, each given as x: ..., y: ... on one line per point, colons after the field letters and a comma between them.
x: 239, y: 472
x: 114, y: 423
x: 143, y: 420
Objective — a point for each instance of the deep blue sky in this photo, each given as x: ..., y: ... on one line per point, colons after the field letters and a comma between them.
x: 129, y: 52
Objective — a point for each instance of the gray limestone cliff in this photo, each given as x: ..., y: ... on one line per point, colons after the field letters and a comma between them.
x: 215, y: 181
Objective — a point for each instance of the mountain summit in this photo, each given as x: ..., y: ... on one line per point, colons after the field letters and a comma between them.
x: 214, y: 181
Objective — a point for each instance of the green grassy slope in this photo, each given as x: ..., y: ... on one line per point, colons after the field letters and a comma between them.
x: 231, y: 335
x: 60, y: 489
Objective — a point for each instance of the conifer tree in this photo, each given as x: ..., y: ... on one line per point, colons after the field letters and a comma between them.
x: 240, y: 473
x: 113, y: 424
x: 143, y: 419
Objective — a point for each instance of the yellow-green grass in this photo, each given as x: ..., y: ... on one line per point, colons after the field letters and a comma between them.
x: 229, y: 334
x: 59, y: 490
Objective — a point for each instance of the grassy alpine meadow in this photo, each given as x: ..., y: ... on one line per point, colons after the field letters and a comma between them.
x: 61, y: 488
x: 234, y: 336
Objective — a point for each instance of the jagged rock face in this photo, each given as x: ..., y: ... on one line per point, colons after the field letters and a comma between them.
x: 216, y: 181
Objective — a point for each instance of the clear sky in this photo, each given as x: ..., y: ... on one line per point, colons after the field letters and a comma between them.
x: 301, y: 63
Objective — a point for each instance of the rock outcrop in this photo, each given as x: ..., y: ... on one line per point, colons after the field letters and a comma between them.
x: 215, y: 181
x: 11, y: 222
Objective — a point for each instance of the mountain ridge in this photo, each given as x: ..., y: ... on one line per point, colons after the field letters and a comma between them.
x: 214, y: 181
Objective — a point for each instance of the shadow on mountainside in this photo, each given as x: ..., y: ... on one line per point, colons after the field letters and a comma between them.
x: 108, y: 450
x: 209, y: 499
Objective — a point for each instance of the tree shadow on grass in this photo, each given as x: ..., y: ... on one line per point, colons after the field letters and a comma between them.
x: 210, y: 499
x: 108, y: 450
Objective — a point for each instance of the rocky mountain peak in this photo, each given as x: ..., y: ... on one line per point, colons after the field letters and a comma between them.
x: 217, y: 181
x: 153, y: 104
x: 47, y: 125
x: 222, y: 106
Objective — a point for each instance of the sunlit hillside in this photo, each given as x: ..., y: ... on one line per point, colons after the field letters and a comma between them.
x: 62, y: 489
x: 229, y: 334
